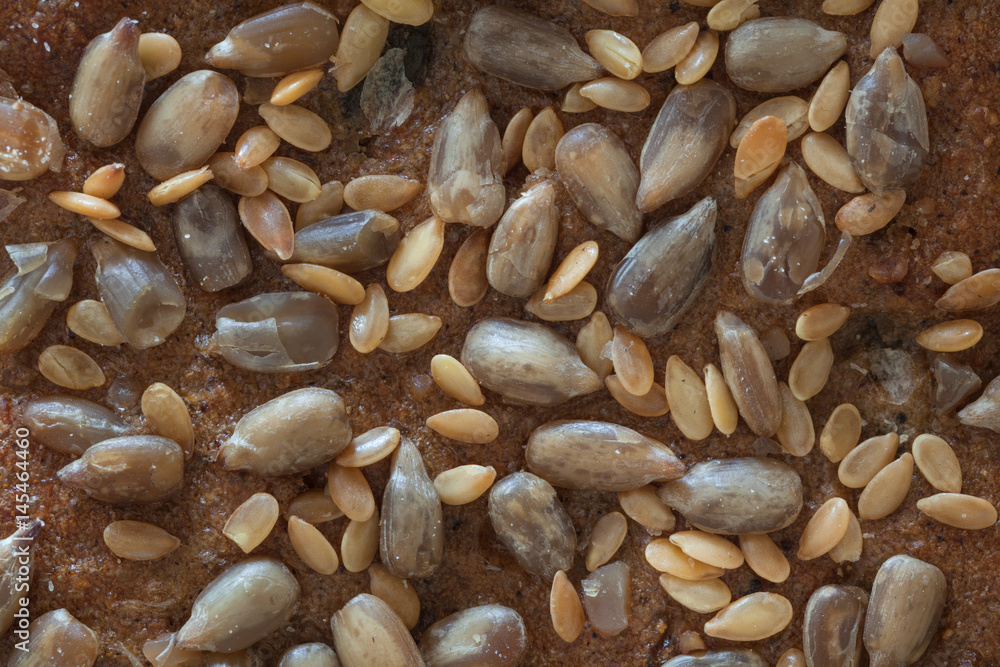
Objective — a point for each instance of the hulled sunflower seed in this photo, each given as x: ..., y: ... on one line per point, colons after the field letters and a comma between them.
x: 350, y: 491
x: 381, y: 192
x: 490, y: 635
x: 952, y: 267
x: 291, y: 433
x: 17, y: 562
x: 725, y: 414
x: 919, y: 50
x: 841, y: 433
x: 32, y: 139
x: 159, y: 53
x: 651, y: 404
x: 526, y: 363
x: 616, y: 94
x: 662, y: 275
x: 887, y: 125
x: 704, y: 597
x: 244, y: 181
x: 52, y: 638
x: 834, y: 619
x: 467, y: 279
x: 565, y: 609
x: 892, y: 20
x: 863, y: 462
x: 959, y: 510
x: 531, y: 522
x: 907, y: 600
x: 168, y: 416
x: 336, y: 286
x: 295, y: 85
x: 751, y: 618
x: 207, y: 230
x: 313, y: 506
x: 826, y: 158
x: 598, y: 455
x: 744, y: 658
x: 512, y: 143
x: 602, y: 179
x: 694, y: 121
x: 669, y: 48
x: 825, y: 529
x: 710, y: 549
x: 523, y: 242
x: 465, y: 181
x: 314, y: 654
x: 361, y: 43
x: 69, y: 367
x: 370, y: 320
x: 367, y: 631
x: 395, y: 592
x: 736, y: 496
x: 369, y: 447
x: 699, y: 60
x: 538, y: 147
x: 774, y: 55
x: 643, y: 506
x: 128, y: 469
x: 937, y: 463
x: 252, y: 521
x: 616, y: 52
x: 764, y: 557
x: 312, y: 546
x: 465, y: 425
x: 412, y: 540
x: 351, y: 242
x: 887, y: 490
x: 953, y: 336
x: 749, y: 374
x: 359, y: 545
x: 296, y: 36
x: 409, y: 332
x: 792, y: 110
x: 796, y: 433
x: 416, y: 255
x: 107, y: 90
x: 138, y: 540
x: 980, y: 290
x: 92, y: 207
x: 688, y: 400
x: 464, y: 484
x: 821, y: 321
x: 71, y: 425
x: 89, y: 319
x: 759, y: 153
x: 811, y: 369
x: 665, y: 556
x: 851, y: 545
x: 605, y: 539
x: 607, y: 593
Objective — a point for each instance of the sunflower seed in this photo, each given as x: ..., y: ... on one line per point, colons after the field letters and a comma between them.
x: 54, y: 636
x: 796, y: 433
x: 69, y: 367
x: 138, y: 540
x: 669, y: 48
x: 538, y: 146
x: 759, y: 153
x: 826, y: 158
x: 699, y: 59
x: 744, y: 658
x: 465, y: 425
x: 367, y: 631
x: 352, y: 242
x: 312, y: 546
x: 32, y: 139
x: 863, y: 462
x: 207, y: 231
x: 159, y: 53
x: 811, y: 369
x: 749, y: 374
x: 464, y: 484
x: 314, y: 654
x: 395, y: 592
x: 467, y: 279
x: 252, y: 521
x: 616, y: 94
x: 764, y: 557
x: 887, y: 490
x: 959, y: 510
x: 751, y: 618
x: 937, y: 463
x: 359, y: 544
x: 71, y: 425
x: 128, y: 469
x: 565, y: 608
x: 834, y: 619
x: 412, y: 540
x: 722, y: 407
x: 409, y: 332
x: 361, y: 43
x: 651, y: 404
x: 523, y: 242
x: 416, y: 255
x: 775, y: 55
x: 792, y: 110
x: 825, y: 529
x: 606, y: 596
x: 952, y: 336
x: 688, y: 400
x: 349, y: 490
x: 850, y: 546
x: 489, y: 635
x: 841, y: 433
x: 906, y: 603
x: 370, y: 320
x: 704, y: 597
x: 313, y: 506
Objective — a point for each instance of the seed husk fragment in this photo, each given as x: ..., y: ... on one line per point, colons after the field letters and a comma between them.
x: 467, y: 280
x: 725, y: 413
x: 919, y: 50
x: 412, y: 539
x: 699, y: 60
x: 764, y: 557
x: 523, y: 242
x: 651, y: 404
x: 669, y: 48
x: 796, y: 433
x: 17, y: 562
x: 937, y: 463
x: 887, y: 490
x: 314, y: 654
x: 779, y: 54
x: 361, y: 43
x: 826, y: 158
x: 128, y: 469
x: 359, y: 545
x: 834, y: 619
x: 751, y: 618
x: 416, y: 255
x: 252, y: 521
x: 511, y: 44
x: 70, y: 368
x: 841, y: 433
x: 821, y: 321
x: 312, y: 546
x: 313, y: 506
x: 598, y: 455
x: 688, y: 400
x: 489, y: 635
x: 954, y: 383
x: 138, y: 540
x: 464, y: 484
x: 736, y: 496
x: 749, y: 374
x: 792, y: 110
x: 825, y: 529
x: 952, y: 336
x: 159, y: 53
x: 350, y: 491
x: 395, y: 592
x: 959, y: 510
x: 850, y: 546
x: 906, y: 603
x: 409, y: 331
x: 565, y: 609
x: 32, y: 138
x: 811, y: 369
x: 863, y: 462
x: 606, y: 596
x: 643, y: 506
x: 70, y: 425
x: 616, y: 94
x: 605, y: 539
x: 538, y: 146
x: 370, y: 320
x: 52, y: 637
x: 704, y: 597
x: 366, y: 631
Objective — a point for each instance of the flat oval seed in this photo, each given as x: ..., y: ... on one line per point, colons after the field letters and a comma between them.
x: 359, y: 544
x: 751, y: 618
x: 416, y: 255
x: 409, y: 332
x: 825, y: 529
x: 764, y: 557
x: 574, y: 102
x: 619, y: 54
x: 159, y: 54
x: 759, y: 154
x: 616, y: 94
x: 892, y: 20
x: 256, y: 145
x: 415, y: 12
x: 841, y: 433
x: 138, y: 540
x: 291, y: 179
x: 467, y: 280
x: 796, y: 433
x: 382, y: 192
x: 870, y: 212
x: 887, y: 490
x: 465, y: 425
x: 366, y: 631
x: 830, y: 98
x: 707, y: 548
x: 338, y: 287
x: 243, y: 181
x: 789, y: 108
x: 574, y: 267
x: 313, y: 506
x: 361, y: 43
x: 294, y: 86
x: 669, y: 48
x: 327, y: 205
x: 821, y: 321
x: 252, y: 521
x: 959, y: 510
x: 369, y: 447
x: 69, y: 367
x: 462, y: 485
x: 180, y: 186
x: 370, y: 320
x: 615, y: 7
x: 729, y: 14
x: 89, y: 320
x: 699, y: 59
x: 512, y: 143
x: 298, y: 126
x: 605, y: 539
x: 538, y: 148
x: 703, y: 597
x: 811, y: 369
x: 395, y: 592
x: 565, y: 608
x: 105, y: 182
x: 845, y: 7
x: 829, y: 160
x: 749, y: 374
x: 850, y: 546
x: 865, y: 461
x: 78, y: 202
x: 632, y: 363
x: 651, y: 404
x: 591, y: 341
x: 980, y: 290
x: 456, y: 380
x: 643, y: 506
x: 952, y: 267
x: 576, y: 304
x: 937, y: 463
x: 688, y: 400
x: 168, y: 416
x: 268, y: 221
x: 350, y: 490
x: 953, y: 336
x: 312, y: 546
x: 667, y: 557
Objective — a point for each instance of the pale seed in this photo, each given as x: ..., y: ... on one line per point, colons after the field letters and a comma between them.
x: 605, y: 539
x: 462, y: 485
x: 292, y: 179
x: 765, y: 558
x: 565, y: 608
x: 863, y: 462
x: 892, y: 20
x: 825, y: 529
x: 414, y: 12
x: 616, y: 94
x: 729, y: 14
x: 669, y: 48
x: 409, y: 332
x: 779, y: 54
x: 688, y: 400
x: 256, y: 145
x: 361, y: 43
x: 959, y: 510
x: 651, y: 404
x: 138, y: 540
x: 268, y: 221
x: 701, y: 3
x: 690, y: 642
x: 366, y: 631
x: 953, y: 336
x: 667, y: 557
x: 619, y: 54
x: 759, y: 153
x: 845, y: 7
x: 751, y: 618
x: 89, y: 320
x: 416, y: 254
x: 512, y: 143
x: 631, y: 360
x: 643, y: 506
x: 919, y: 50
x: 168, y: 416
x: 841, y: 433
x: 574, y: 102
x: 467, y: 282
x: 359, y: 544
x: 703, y: 597
x: 725, y: 414
x: 850, y: 546
x: 351, y: 492
x: 465, y: 425
x: 749, y: 374
x: 456, y: 380
x: 937, y: 463
x: 252, y: 521
x: 338, y: 287
x: 870, y: 212
x: 699, y: 59
x: 792, y: 110
x: 295, y: 85
x: 244, y: 181
x: 811, y: 369
x: 125, y: 233
x: 574, y: 268
x: 159, y: 54
x: 830, y: 98
x: 178, y: 187
x: 90, y: 206
x: 796, y: 433
x: 952, y: 267
x: 313, y: 506
x: 829, y: 160
x: 615, y: 7
x: 370, y: 320
x: 382, y: 192
x: 312, y: 546
x: 821, y: 321
x: 576, y: 304
x: 326, y: 205
x: 907, y: 600
x: 298, y: 126
x: 370, y: 447
x: 707, y: 548
x: 70, y: 368
x: 105, y: 182
x: 887, y: 490
x: 980, y: 290
x: 776, y: 343
x: 591, y: 342
x: 395, y: 592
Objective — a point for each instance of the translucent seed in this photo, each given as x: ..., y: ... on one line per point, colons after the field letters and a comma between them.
x: 953, y: 336
x: 252, y: 521
x: 416, y: 255
x: 298, y: 126
x: 295, y: 85
x: 467, y: 280
x: 865, y: 461
x: 128, y: 469
x: 834, y: 619
x: 887, y: 490
x: 524, y: 241
x: 841, y: 433
x: 825, y: 529
x: 619, y: 54
x: 707, y: 548
x: 790, y: 109
x: 830, y: 98
x: 576, y: 304
x: 749, y: 374
x: 138, y: 540
x: 409, y: 331
x: 512, y: 143
x: 34, y: 142
x: 312, y: 546
x: 71, y: 425
x: 765, y: 558
x: 811, y: 369
x: 168, y: 416
x: 395, y: 592
x: 465, y: 425
x: 574, y: 267
x: 729, y: 14
x: 821, y: 321
x: 643, y: 506
x: 412, y: 539
x: 751, y: 618
x: 361, y: 43
x: 180, y: 186
x: 350, y: 490
x: 338, y: 287
x: 489, y: 635
x: 69, y: 367
x: 159, y: 53
x: 291, y: 179
x: 105, y: 182
x: 959, y: 510
x: 359, y: 544
x: 725, y: 414
x: 938, y: 463
x: 651, y: 404
x: 538, y: 148
x: 92, y: 207
x: 464, y: 484
x: 605, y: 539
x: 455, y: 380
x: 327, y: 205
x: 256, y: 145
x: 565, y: 609
x: 606, y: 596
x: 920, y: 50
x: 980, y: 290
x: 370, y: 320
x: 53, y: 636
x: 703, y: 597
x: 370, y: 447
x: 669, y: 48
x: 89, y: 319
x: 952, y: 267
x: 688, y: 400
x: 268, y: 221
x: 829, y: 160
x: 779, y: 54
x: 313, y: 654
x: 699, y: 59
x: 367, y: 631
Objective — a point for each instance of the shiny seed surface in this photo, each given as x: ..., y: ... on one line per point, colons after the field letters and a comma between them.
x: 937, y: 462
x: 863, y: 462
x: 416, y: 255
x: 538, y: 146
x: 70, y: 368
x: 953, y: 336
x: 764, y: 557
x: 138, y: 540
x: 605, y: 539
x: 841, y: 433
x: 751, y: 618
x: 887, y: 490
x: 464, y: 484
x: 811, y: 369
x: 669, y: 48
x: 252, y: 521
x: 688, y: 400
x: 565, y: 609
x: 825, y: 529
x: 89, y: 319
x: 959, y: 510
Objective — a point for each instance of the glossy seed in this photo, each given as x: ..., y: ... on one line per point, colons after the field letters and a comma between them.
x: 255, y: 145
x: 887, y: 490
x: 605, y: 539
x: 796, y: 433
x: 524, y: 241
x: 834, y: 620
x: 268, y: 221
x: 959, y: 510
x: 980, y: 290
x: 488, y: 635
x: 455, y: 380
x: 312, y: 546
x: 825, y: 529
x: 725, y: 413
x: 906, y: 604
x: 412, y: 538
x: 863, y: 462
x: 53, y: 636
x: 699, y: 60
x: 465, y: 425
x: 382, y: 192
x: 416, y: 255
x: 749, y: 374
x: 327, y: 205
x: 792, y: 110
x: 830, y: 98
x: 841, y: 433
x: 298, y: 126
x: 71, y: 425
x: 591, y: 342
x: 89, y: 319
x: 512, y: 143
x: 243, y: 181
x: 616, y: 52
x: 616, y: 94
x: 168, y: 416
x: 128, y: 469
x: 751, y: 618
x: 409, y: 331
x: 669, y: 48
x: 615, y: 7
x: 70, y: 368
x: 811, y: 369
x: 106, y: 181
x: 370, y: 320
x: 313, y: 506
x: 664, y: 556
x: 643, y: 506
x: 295, y: 85
x: 743, y: 658
x: 707, y: 548
x: 632, y: 362
x: 538, y: 147
x: 607, y: 595
x: 759, y: 153
x: 350, y: 491
x: 252, y: 521
x: 138, y: 540
x: 651, y: 404
x: 764, y: 557
x: 870, y: 212
x: 210, y: 239
x: 576, y: 304
x: 688, y: 400
x: 361, y: 43
x: 952, y: 267
x: 464, y: 484
x: 565, y: 608
x: 180, y: 186
x: 953, y: 336
x: 369, y: 447
x: 779, y: 54
x: 350, y: 242
x: 919, y: 50
x: 729, y: 14
x: 34, y: 144
x: 367, y: 631
x: 830, y: 161
x: 845, y: 7
x: 359, y: 545
x: 937, y: 463
x: 291, y: 179
x: 703, y: 597
x: 337, y: 286
x: 467, y: 279
x: 395, y: 592
x: 821, y: 321
x: 159, y: 53
x: 313, y: 654
x: 955, y: 382
x: 574, y: 102
x: 92, y: 207
x: 892, y: 20
x: 851, y: 545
